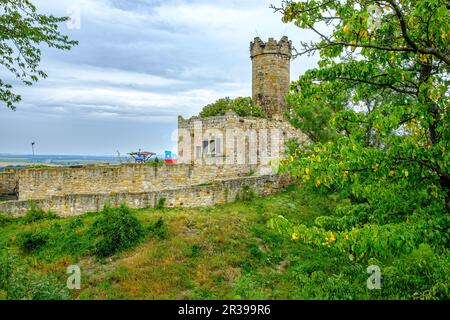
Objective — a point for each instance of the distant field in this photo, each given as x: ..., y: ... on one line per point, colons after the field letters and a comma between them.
x: 54, y: 160
x: 22, y: 164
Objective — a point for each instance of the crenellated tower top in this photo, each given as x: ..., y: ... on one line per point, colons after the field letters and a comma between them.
x: 282, y: 47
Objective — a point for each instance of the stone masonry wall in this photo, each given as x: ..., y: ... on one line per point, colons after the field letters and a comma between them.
x: 219, y: 192
x: 127, y: 178
x: 274, y: 132
x: 7, y: 182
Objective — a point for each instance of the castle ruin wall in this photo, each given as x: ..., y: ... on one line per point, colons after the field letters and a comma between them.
x: 126, y: 178
x: 8, y: 181
x: 218, y: 192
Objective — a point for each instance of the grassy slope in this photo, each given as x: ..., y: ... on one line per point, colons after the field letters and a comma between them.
x: 223, y: 252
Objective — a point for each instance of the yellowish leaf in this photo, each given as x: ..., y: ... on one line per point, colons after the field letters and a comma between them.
x: 332, y: 237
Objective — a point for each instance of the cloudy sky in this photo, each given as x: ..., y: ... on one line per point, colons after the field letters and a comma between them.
x: 138, y: 65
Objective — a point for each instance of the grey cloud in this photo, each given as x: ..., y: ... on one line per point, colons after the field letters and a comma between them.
x: 138, y: 65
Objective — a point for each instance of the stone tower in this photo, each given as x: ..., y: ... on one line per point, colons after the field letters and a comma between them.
x: 271, y: 74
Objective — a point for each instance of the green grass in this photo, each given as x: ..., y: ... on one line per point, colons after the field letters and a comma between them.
x: 222, y: 252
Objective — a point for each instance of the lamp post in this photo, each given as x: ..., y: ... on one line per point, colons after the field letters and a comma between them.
x: 32, y: 149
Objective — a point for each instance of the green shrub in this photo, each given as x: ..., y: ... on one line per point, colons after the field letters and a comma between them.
x: 5, y: 220
x: 48, y: 288
x: 115, y: 230
x: 420, y: 275
x: 322, y: 286
x: 195, y: 251
x: 19, y: 284
x: 30, y: 241
x: 67, y: 238
x: 161, y: 203
x: 35, y: 214
x: 76, y: 223
x: 246, y: 194
x: 250, y: 173
x: 158, y: 229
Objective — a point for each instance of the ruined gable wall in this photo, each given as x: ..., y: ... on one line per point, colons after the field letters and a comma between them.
x: 193, y: 131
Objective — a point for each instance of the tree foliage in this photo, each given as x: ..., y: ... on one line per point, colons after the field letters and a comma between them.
x: 376, y: 110
x: 382, y: 95
x: 23, y: 31
x: 243, y: 106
